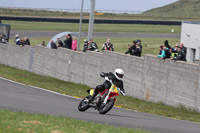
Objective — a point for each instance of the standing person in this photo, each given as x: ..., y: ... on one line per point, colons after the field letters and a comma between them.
x: 74, y: 43
x: 68, y: 41
x: 18, y: 41
x: 60, y: 43
x: 181, y: 55
x: 108, y: 46
x: 174, y: 49
x: 137, y: 51
x: 92, y: 46
x: 139, y: 42
x: 53, y: 45
x: 166, y: 43
x: 43, y: 44
x: 184, y: 49
x: 131, y: 48
x: 162, y: 53
x: 26, y: 41
x: 85, y: 45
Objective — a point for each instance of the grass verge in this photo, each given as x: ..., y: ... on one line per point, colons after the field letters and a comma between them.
x: 80, y: 91
x: 172, y: 14
x: 18, y: 122
x: 110, y: 28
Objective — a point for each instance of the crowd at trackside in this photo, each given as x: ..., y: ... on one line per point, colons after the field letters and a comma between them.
x: 178, y: 52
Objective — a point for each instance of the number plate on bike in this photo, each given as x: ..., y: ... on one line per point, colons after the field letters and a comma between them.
x: 114, y: 89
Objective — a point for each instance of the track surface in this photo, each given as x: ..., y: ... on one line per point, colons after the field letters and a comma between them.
x: 37, y: 34
x: 19, y: 97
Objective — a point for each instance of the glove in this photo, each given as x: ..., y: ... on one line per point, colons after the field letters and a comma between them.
x: 102, y: 74
x: 124, y: 94
x: 106, y: 78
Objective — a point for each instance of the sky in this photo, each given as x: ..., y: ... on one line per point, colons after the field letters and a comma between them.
x: 132, y: 5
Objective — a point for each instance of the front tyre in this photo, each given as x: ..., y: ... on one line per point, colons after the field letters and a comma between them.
x: 104, y: 108
x: 83, y: 105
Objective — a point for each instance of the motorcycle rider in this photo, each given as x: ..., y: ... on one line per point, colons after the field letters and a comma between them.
x: 116, y: 80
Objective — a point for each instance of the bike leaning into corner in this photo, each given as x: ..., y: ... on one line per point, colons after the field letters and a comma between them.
x: 103, y: 96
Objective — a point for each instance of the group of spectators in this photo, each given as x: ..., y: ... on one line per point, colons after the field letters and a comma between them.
x: 69, y: 43
x: 21, y: 42
x: 178, y: 52
x: 92, y: 46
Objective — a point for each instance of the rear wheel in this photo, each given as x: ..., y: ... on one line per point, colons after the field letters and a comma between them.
x: 104, y: 108
x: 83, y: 105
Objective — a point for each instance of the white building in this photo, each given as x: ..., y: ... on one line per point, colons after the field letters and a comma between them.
x: 190, y: 37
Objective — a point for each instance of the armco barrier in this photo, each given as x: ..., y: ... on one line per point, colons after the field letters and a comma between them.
x: 97, y: 21
x: 148, y: 78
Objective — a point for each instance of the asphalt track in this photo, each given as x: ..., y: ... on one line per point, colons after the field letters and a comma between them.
x: 38, y: 34
x: 18, y: 97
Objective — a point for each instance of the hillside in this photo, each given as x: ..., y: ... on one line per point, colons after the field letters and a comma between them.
x: 181, y: 8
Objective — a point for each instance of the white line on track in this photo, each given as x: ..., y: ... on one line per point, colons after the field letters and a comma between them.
x: 39, y: 88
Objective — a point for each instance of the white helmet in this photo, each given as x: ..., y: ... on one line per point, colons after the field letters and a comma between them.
x: 119, y: 73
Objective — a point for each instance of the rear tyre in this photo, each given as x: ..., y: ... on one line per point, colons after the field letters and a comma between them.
x: 83, y: 105
x: 104, y: 108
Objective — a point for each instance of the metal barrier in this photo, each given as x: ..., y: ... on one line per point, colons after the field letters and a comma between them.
x: 99, y: 21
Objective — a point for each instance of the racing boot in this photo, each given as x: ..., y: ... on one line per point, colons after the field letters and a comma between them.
x: 92, y: 97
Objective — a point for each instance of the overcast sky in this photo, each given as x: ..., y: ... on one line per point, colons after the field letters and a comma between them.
x: 133, y: 5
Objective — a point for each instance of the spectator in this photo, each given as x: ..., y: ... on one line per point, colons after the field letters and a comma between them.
x: 166, y: 44
x: 18, y: 41
x: 26, y: 41
x: 167, y: 52
x: 162, y: 53
x: 108, y: 46
x: 92, y: 46
x: 74, y: 43
x: 3, y: 38
x: 60, y: 43
x: 85, y: 45
x: 181, y: 55
x: 43, y: 44
x: 137, y: 51
x: 131, y: 48
x: 53, y: 45
x: 174, y: 49
x: 139, y: 42
x: 68, y: 41
x: 184, y: 49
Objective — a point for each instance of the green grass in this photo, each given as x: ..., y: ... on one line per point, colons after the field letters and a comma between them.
x: 185, y: 9
x: 80, y: 91
x: 109, y: 28
x: 181, y: 10
x: 19, y: 122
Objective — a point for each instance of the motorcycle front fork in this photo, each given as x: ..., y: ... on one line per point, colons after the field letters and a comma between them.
x: 106, y: 98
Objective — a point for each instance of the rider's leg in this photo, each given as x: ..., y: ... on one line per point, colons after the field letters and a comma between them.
x: 98, y: 89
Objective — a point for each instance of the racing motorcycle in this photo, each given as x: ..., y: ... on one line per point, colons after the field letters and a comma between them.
x: 103, y: 102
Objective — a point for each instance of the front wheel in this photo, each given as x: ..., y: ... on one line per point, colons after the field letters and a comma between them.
x: 83, y: 105
x: 104, y: 108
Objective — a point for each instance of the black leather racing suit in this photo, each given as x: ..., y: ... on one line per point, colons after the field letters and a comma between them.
x: 107, y: 84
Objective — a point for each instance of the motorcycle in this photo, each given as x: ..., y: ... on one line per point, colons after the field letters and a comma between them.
x: 103, y: 102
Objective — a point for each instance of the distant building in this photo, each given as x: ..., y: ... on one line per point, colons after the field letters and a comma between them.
x: 190, y: 37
